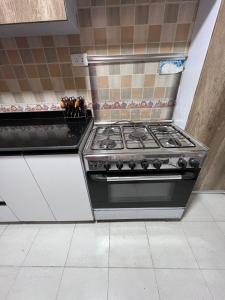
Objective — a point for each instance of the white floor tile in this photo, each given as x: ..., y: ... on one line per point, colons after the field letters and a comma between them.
x: 7, y: 277
x: 215, y: 203
x: 207, y: 242
x: 84, y: 284
x: 36, y: 284
x: 132, y: 284
x: 15, y: 243
x: 196, y: 210
x: 182, y: 284
x: 221, y: 225
x: 129, y: 245
x: 90, y: 245
x: 169, y: 246
x: 216, y: 282
x: 2, y: 228
x: 51, y: 246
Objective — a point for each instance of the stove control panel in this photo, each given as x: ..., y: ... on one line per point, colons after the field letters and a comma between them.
x: 143, y: 164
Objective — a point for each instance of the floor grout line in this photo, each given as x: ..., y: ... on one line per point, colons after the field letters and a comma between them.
x: 63, y: 267
x: 156, y: 282
x: 108, y: 264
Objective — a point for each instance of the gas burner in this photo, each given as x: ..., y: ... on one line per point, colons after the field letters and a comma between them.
x: 162, y: 129
x: 107, y: 144
x: 108, y: 131
x: 174, y: 141
x: 137, y: 135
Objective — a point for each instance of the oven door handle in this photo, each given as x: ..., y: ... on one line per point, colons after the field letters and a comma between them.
x: 145, y: 178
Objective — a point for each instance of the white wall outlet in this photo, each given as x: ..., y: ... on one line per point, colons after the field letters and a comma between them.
x: 79, y: 59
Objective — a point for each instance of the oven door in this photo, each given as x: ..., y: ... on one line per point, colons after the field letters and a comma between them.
x: 136, y: 190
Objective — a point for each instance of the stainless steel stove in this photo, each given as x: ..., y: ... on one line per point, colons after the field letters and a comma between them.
x: 141, y: 170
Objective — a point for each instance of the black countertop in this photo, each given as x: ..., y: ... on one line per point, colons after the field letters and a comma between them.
x: 41, y: 132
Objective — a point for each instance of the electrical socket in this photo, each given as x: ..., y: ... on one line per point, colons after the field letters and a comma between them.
x: 79, y: 59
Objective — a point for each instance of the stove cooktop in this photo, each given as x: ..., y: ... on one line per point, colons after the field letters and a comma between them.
x: 139, y: 136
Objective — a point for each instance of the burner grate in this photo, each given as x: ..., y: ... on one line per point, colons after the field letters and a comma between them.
x: 107, y: 138
x: 170, y: 137
x: 138, y: 137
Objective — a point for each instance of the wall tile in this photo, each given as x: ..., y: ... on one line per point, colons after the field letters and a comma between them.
x: 154, y: 33
x: 47, y: 41
x: 26, y: 56
x: 113, y: 16
x: 182, y: 32
x: 138, y: 68
x: 168, y: 33
x: 98, y: 15
x: 100, y: 36
x: 8, y: 43
x: 39, y: 55
x: 137, y: 93
x: 21, y: 42
x: 3, y: 58
x: 156, y: 13
x: 97, y: 2
x: 50, y: 55
x: 43, y: 71
x: 126, y: 81
x: 74, y: 39
x: 187, y: 12
x: 113, y: 35
x: 31, y: 71
x: 140, y: 34
x: 127, y: 15
x: 19, y: 72
x: 85, y: 17
x: 127, y: 34
x: 141, y: 14
x: 149, y: 80
x: 171, y: 13
x: 63, y: 54
x: 86, y: 36
x: 126, y: 93
x: 66, y: 70
x: 114, y: 69
x: 54, y: 70
x: 7, y: 72
x: 102, y: 82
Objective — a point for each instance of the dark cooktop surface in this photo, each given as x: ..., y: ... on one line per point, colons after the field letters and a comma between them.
x: 41, y: 132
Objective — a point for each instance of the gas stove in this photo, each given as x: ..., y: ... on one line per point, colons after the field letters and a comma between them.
x: 141, y: 170
x: 141, y: 146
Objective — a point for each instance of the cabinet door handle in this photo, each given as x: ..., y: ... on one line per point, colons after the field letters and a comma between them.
x: 2, y: 203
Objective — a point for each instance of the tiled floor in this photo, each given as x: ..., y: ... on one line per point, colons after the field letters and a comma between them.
x: 119, y: 260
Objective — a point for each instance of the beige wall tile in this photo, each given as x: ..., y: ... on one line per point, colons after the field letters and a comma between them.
x: 113, y: 16
x: 141, y: 14
x: 127, y: 49
x: 137, y: 80
x: 114, y: 94
x: 113, y: 35
x: 168, y: 33
x: 21, y: 42
x: 98, y: 15
x: 149, y: 80
x: 140, y: 34
x: 151, y: 67
x: 148, y: 93
x: 145, y: 113
x: 140, y: 48
x: 86, y: 36
x: 126, y: 93
x: 84, y: 15
x: 154, y: 33
x: 13, y: 57
x: 54, y: 70
x: 166, y: 47
x: 102, y: 82
x: 114, y: 82
x: 8, y: 43
x: 156, y: 13
x: 135, y: 114
x: 171, y: 13
x: 126, y: 81
x: 187, y: 12
x: 182, y: 32
x: 127, y: 34
x: 127, y: 15
x: 47, y: 41
x: 100, y: 36
x: 137, y: 93
x: 159, y: 92
x: 39, y: 55
x: 125, y: 114
x: 63, y: 54
x: 113, y: 50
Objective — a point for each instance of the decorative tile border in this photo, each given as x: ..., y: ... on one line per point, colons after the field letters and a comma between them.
x: 132, y: 104
x: 21, y: 107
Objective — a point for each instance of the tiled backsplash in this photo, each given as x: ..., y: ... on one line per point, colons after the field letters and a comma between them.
x: 38, y: 69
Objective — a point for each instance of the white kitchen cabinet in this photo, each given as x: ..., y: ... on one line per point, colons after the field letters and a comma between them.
x: 6, y: 215
x: 20, y: 191
x: 62, y: 182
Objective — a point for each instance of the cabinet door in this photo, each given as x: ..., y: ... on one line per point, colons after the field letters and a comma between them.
x: 20, y: 191
x: 62, y: 181
x: 23, y: 11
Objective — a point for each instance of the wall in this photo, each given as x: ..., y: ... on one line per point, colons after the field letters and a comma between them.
x: 37, y: 70
x: 206, y: 121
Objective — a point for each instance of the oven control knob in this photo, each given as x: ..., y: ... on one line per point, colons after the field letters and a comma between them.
x: 194, y: 163
x: 107, y: 166
x: 144, y: 164
x: 119, y: 165
x: 131, y: 164
x: 182, y: 163
x: 157, y: 164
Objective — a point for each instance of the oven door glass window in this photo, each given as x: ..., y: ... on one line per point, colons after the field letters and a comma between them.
x: 171, y: 190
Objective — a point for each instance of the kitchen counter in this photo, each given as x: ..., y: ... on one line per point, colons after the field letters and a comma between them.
x: 45, y: 132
